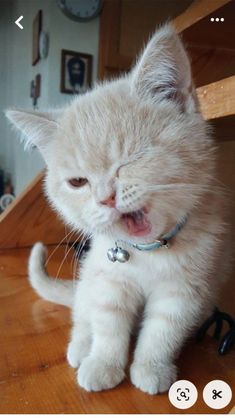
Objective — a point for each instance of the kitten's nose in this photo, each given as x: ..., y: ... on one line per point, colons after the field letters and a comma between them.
x: 110, y: 201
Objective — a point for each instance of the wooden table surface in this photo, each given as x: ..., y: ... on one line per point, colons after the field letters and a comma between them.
x: 34, y: 374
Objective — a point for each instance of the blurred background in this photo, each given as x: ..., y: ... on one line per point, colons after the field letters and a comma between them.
x: 17, y: 72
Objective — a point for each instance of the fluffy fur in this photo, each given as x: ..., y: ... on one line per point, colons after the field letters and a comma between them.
x: 142, y: 138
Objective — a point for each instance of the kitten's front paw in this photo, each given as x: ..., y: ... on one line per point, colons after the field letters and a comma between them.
x: 153, y: 379
x: 77, y: 352
x: 95, y: 375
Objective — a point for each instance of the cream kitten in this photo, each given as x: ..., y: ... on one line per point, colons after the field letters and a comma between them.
x: 128, y: 161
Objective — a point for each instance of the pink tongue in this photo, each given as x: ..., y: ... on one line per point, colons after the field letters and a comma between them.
x: 137, y: 226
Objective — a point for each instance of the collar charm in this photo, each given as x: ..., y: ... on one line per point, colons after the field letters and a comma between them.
x: 118, y: 254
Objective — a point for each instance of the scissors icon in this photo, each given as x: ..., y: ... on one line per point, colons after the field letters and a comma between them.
x: 216, y: 394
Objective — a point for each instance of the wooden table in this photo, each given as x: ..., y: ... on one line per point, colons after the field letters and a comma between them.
x: 34, y: 374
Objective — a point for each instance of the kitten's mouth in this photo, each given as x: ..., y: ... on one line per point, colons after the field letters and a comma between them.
x: 137, y: 222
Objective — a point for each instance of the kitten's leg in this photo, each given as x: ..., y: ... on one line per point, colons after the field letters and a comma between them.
x: 80, y: 343
x: 112, y: 321
x: 165, y: 328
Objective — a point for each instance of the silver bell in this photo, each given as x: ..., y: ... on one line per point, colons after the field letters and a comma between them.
x: 118, y: 254
x: 111, y: 254
x: 122, y: 255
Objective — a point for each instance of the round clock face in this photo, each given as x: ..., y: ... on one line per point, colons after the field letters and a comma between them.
x: 80, y: 10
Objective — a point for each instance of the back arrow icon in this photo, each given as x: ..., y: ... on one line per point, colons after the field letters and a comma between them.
x: 17, y: 22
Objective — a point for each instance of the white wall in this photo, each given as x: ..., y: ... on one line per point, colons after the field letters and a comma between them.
x: 17, y: 72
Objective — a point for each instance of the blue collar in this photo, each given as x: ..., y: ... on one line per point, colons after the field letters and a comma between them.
x: 162, y: 242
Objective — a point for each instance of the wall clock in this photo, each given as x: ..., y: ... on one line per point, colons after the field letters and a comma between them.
x: 80, y: 10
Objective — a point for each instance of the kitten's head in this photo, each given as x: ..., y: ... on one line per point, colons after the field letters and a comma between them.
x: 132, y: 156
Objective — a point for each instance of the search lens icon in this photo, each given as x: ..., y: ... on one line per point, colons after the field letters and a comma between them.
x: 183, y: 394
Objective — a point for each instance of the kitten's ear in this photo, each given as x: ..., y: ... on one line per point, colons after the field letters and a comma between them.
x: 37, y: 128
x: 163, y: 71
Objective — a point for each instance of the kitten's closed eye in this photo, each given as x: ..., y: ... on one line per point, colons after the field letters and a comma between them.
x: 77, y: 182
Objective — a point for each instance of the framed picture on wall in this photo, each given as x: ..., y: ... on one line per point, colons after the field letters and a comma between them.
x: 37, y: 27
x: 76, y: 70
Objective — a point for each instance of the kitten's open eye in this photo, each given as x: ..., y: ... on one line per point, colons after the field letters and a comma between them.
x: 77, y: 182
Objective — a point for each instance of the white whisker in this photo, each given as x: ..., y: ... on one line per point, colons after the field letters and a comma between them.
x: 67, y: 253
x: 69, y: 235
